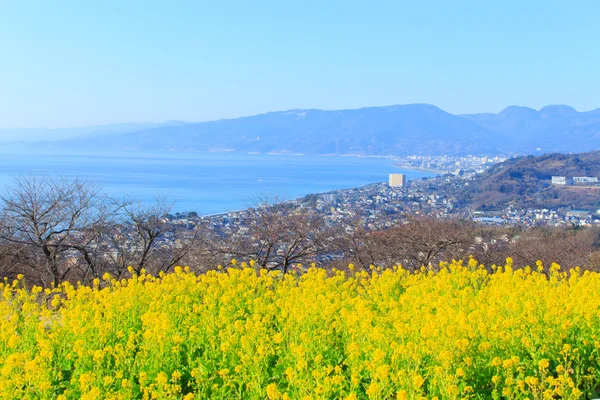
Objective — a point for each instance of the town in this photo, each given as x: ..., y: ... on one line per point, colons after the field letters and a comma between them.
x: 450, y: 164
x: 380, y: 205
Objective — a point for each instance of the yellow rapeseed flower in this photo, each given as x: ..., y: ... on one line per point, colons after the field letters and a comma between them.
x: 429, y: 333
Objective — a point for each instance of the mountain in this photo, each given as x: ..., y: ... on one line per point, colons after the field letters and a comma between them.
x: 526, y: 183
x: 45, y: 134
x: 419, y: 129
x: 392, y: 130
x: 550, y: 129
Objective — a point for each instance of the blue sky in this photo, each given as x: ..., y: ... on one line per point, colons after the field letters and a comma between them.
x: 73, y: 63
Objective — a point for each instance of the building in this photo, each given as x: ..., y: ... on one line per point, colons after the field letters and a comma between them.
x: 583, y: 180
x: 328, y: 198
x: 559, y: 180
x: 578, y: 213
x: 397, y: 180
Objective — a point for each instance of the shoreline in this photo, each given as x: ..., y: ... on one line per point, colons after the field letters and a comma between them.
x: 403, y: 167
x: 421, y: 169
x: 334, y: 191
x: 190, y: 197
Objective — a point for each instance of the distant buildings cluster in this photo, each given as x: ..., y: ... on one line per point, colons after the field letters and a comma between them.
x: 450, y: 164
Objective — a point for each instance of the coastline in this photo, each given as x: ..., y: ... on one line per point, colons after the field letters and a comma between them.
x: 421, y: 169
x: 210, y: 183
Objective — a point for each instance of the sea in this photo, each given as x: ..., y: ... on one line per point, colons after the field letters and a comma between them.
x: 207, y: 183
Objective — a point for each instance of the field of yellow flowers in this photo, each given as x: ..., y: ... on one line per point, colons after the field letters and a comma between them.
x: 463, y: 331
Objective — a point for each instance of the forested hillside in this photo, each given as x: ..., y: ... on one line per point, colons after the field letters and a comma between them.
x: 526, y: 183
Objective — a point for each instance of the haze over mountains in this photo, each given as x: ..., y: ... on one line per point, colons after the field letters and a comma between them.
x: 420, y: 129
x: 45, y: 134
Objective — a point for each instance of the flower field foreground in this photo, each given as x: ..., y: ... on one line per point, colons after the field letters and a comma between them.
x: 461, y: 332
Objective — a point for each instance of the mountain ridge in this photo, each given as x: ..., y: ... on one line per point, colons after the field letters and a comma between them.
x: 402, y: 129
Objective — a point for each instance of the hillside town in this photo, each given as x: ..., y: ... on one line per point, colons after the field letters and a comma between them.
x: 380, y: 205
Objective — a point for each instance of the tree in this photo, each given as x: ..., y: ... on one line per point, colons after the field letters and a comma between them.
x: 53, y: 222
x: 491, y: 245
x: 568, y: 246
x: 142, y: 238
x: 67, y: 229
x: 413, y: 242
x: 357, y: 244
x: 278, y: 236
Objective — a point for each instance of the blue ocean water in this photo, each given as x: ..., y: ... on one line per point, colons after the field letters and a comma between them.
x: 207, y: 183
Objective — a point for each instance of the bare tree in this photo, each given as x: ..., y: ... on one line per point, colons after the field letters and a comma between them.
x: 11, y: 264
x: 568, y: 246
x: 413, y: 242
x: 139, y: 239
x: 276, y: 236
x: 52, y: 222
x: 491, y: 245
x: 357, y: 244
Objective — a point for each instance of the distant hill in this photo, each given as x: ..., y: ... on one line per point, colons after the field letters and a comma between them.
x: 408, y: 129
x: 551, y: 129
x: 420, y: 129
x: 526, y: 183
x: 45, y: 134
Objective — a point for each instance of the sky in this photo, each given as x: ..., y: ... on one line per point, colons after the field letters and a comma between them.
x: 77, y: 63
